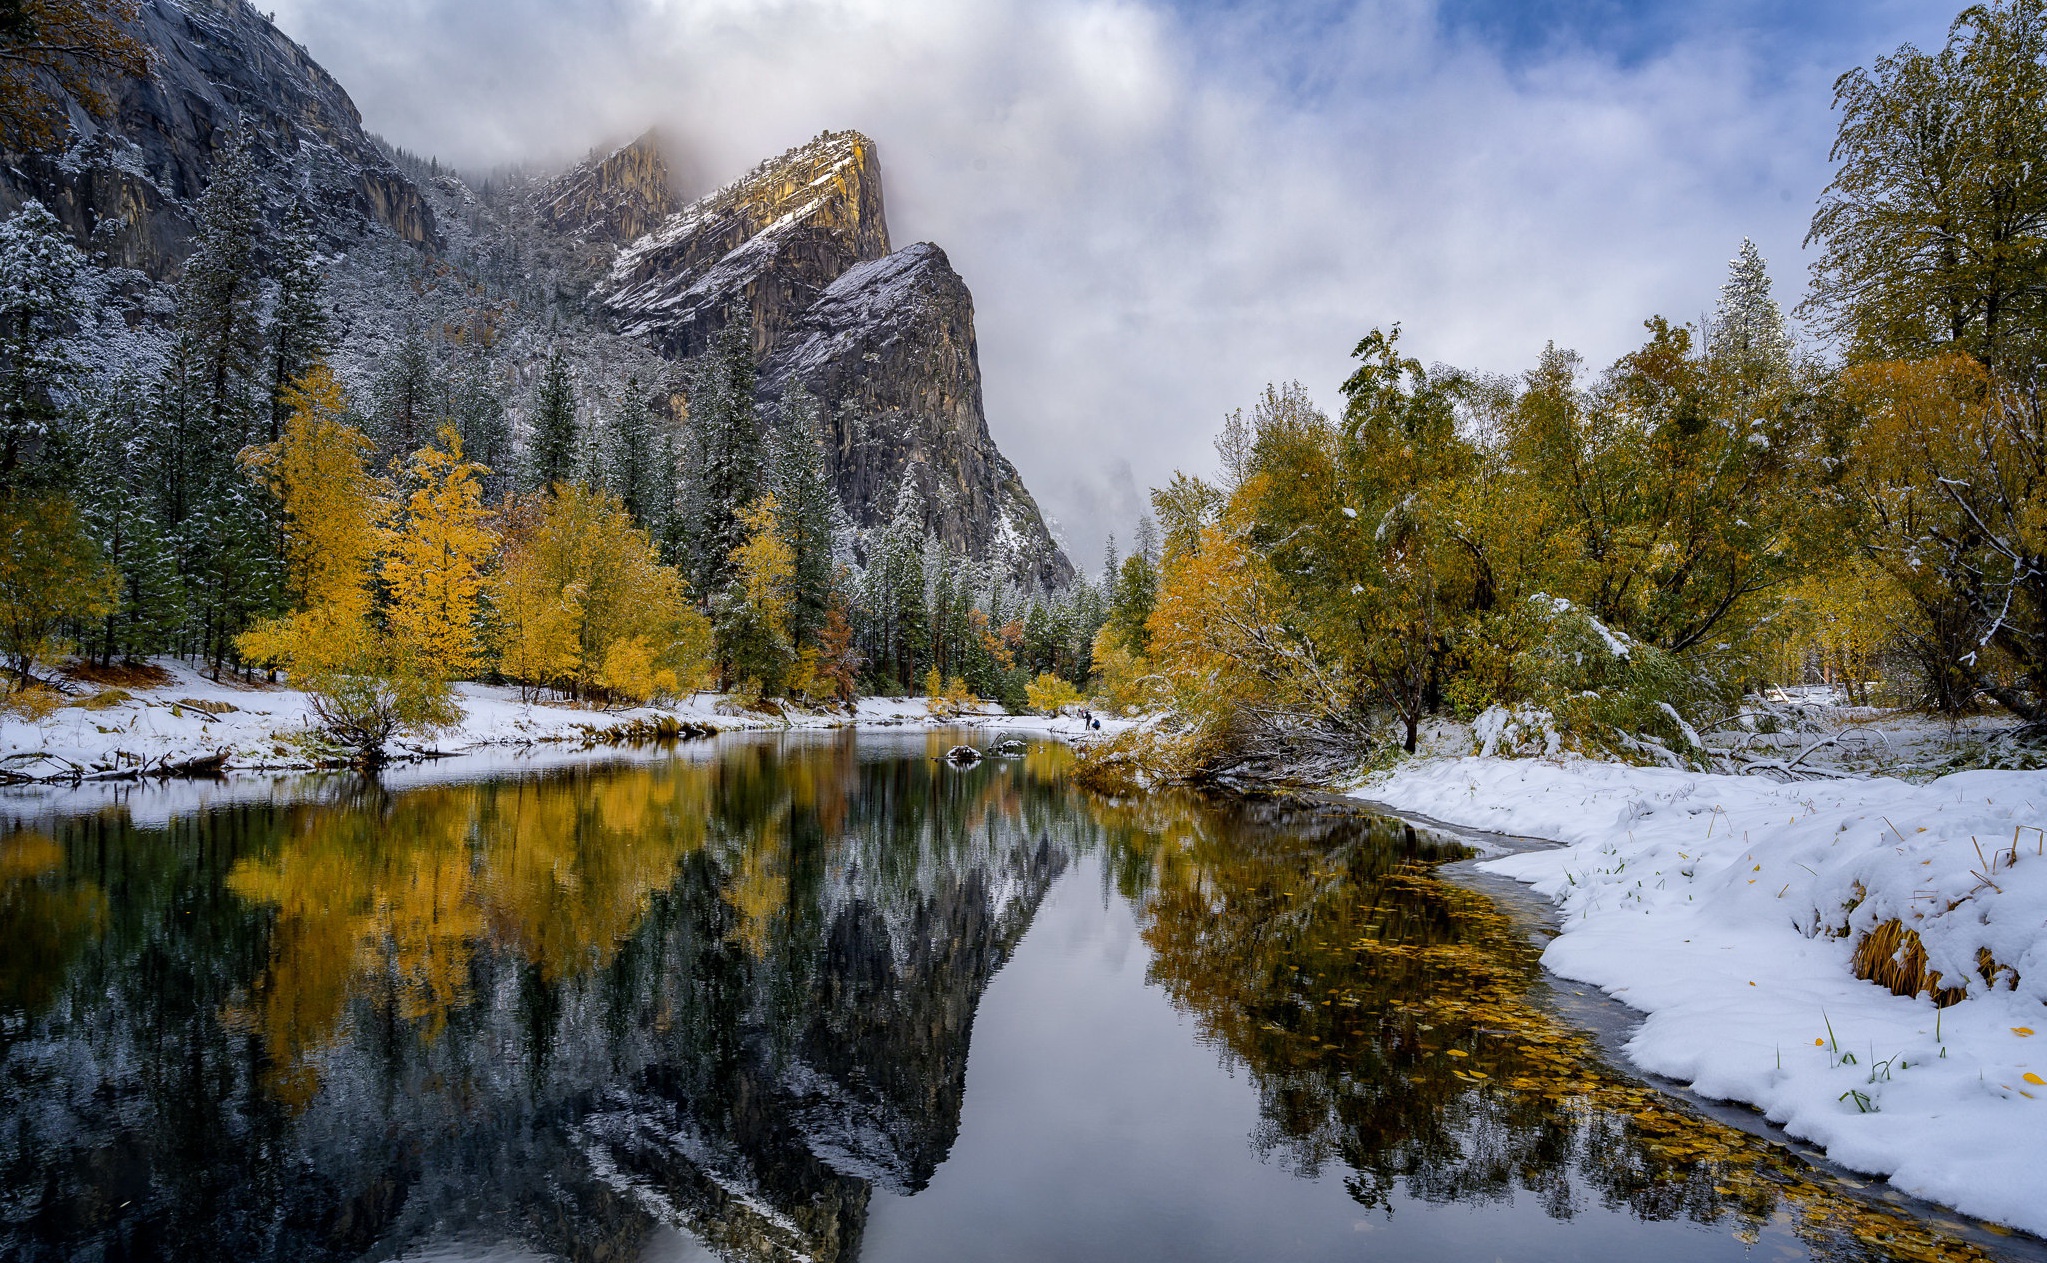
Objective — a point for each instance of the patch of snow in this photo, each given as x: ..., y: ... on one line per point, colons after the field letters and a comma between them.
x: 1727, y: 910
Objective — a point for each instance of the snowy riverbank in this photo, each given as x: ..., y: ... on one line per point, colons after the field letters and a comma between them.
x: 1729, y: 909
x: 186, y: 717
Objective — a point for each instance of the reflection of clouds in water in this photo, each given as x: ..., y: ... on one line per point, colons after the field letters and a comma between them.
x: 1161, y: 208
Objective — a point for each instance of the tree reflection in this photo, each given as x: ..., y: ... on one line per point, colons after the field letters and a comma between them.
x: 1388, y: 1020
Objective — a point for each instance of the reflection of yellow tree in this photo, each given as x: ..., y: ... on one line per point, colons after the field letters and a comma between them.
x: 558, y: 871
x: 43, y: 921
x: 1385, y: 1016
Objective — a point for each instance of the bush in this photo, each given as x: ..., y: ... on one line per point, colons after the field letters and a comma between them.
x: 1048, y: 694
x: 948, y: 698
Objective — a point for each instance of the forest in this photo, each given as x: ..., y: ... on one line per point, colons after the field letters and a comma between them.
x: 1607, y: 559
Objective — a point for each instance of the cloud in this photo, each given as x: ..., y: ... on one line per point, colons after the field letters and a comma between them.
x: 1159, y: 209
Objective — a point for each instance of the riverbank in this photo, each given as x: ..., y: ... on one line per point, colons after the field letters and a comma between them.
x: 171, y: 720
x: 1735, y: 913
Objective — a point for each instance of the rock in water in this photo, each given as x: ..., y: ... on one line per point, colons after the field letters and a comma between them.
x: 963, y: 756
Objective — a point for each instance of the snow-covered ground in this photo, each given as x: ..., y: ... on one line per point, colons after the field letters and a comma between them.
x: 1728, y: 909
x: 189, y: 717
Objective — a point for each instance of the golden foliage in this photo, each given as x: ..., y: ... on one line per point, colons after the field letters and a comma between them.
x: 1049, y: 694
x: 434, y: 560
x: 63, y: 49
x: 51, y: 573
x: 333, y: 508
x: 578, y: 578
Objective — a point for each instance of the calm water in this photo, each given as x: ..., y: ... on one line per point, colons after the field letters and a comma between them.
x: 818, y: 999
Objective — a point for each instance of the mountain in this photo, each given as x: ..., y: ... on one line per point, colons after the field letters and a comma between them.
x: 799, y: 250
x: 125, y: 185
x: 606, y: 258
x: 615, y: 198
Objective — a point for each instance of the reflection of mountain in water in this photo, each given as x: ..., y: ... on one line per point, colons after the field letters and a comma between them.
x: 728, y: 996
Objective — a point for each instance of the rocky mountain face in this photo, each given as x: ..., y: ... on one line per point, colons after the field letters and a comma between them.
x: 217, y: 66
x: 799, y: 250
x: 614, y: 199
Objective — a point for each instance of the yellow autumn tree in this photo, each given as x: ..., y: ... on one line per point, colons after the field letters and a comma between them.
x: 584, y: 604
x: 753, y: 614
x: 434, y: 560
x: 333, y: 506
x: 365, y: 687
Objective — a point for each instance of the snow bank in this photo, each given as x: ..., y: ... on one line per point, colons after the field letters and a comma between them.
x: 1728, y: 910
x: 190, y: 717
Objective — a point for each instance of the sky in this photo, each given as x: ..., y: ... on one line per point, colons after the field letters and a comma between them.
x: 1162, y: 205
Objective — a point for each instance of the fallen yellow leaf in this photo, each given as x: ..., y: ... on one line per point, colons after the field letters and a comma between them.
x: 2021, y: 1031
x: 1458, y: 1052
x: 2030, y: 1077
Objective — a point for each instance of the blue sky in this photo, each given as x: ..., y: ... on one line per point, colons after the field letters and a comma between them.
x: 1161, y: 205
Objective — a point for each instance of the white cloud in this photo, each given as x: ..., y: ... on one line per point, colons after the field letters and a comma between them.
x: 1158, y: 213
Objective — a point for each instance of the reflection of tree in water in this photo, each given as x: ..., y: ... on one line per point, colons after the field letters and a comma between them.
x: 731, y: 995
x: 1384, y: 1015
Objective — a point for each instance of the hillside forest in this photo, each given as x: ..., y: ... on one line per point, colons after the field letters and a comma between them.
x: 1595, y: 557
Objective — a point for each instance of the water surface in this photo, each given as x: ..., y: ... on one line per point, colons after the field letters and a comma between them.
x: 818, y: 998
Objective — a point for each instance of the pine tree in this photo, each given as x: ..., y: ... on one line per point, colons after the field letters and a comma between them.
x: 552, y: 454
x: 298, y: 317
x: 808, y: 510
x: 218, y: 296
x: 406, y: 401
x: 39, y: 274
x: 730, y: 465
x: 632, y: 461
x: 120, y: 512
x: 896, y: 589
x: 1748, y: 326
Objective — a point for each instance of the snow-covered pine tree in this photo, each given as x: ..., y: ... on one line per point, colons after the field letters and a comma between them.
x: 219, y: 337
x: 119, y: 511
x: 1748, y: 326
x: 211, y: 402
x: 478, y: 414
x: 809, y: 511
x: 298, y: 316
x: 895, y: 626
x: 551, y: 453
x: 407, y: 397
x: 39, y: 371
x: 632, y: 460
x: 730, y: 466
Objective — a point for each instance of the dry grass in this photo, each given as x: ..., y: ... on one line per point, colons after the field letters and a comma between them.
x: 1893, y: 957
x: 126, y: 675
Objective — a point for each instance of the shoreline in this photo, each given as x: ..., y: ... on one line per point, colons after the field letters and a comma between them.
x: 1725, y: 913
x: 189, y: 727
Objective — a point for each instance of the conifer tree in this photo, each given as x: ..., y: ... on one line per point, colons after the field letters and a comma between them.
x: 552, y: 455
x: 298, y: 317
x: 730, y: 464
x: 632, y: 461
x: 39, y: 274
x: 808, y: 512
x: 407, y: 397
x: 114, y: 490
x: 1748, y: 331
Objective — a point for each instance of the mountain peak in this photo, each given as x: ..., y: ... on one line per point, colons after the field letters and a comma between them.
x: 615, y: 198
x: 805, y: 216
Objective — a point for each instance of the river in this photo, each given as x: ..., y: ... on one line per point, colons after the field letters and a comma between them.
x: 822, y: 997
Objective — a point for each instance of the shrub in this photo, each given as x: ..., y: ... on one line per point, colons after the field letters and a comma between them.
x: 1048, y: 694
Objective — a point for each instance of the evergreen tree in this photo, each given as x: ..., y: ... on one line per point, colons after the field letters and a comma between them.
x: 809, y: 510
x: 632, y: 461
x: 1748, y: 331
x: 298, y: 317
x: 552, y: 455
x: 120, y: 513
x: 729, y: 469
x: 220, y: 340
x: 407, y: 397
x: 895, y: 597
x: 39, y: 301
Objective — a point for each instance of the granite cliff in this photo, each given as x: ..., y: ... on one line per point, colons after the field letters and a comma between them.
x: 125, y: 185
x: 799, y: 250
